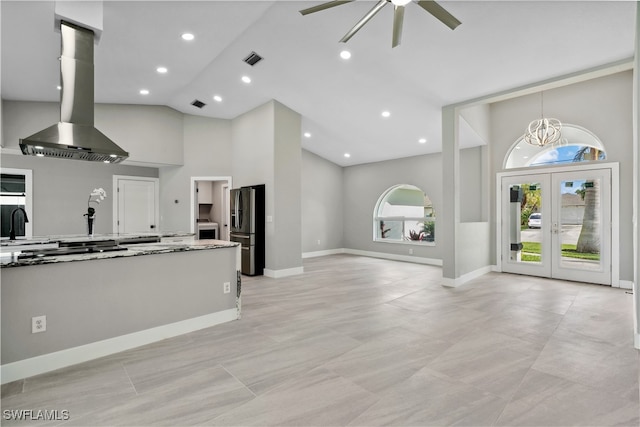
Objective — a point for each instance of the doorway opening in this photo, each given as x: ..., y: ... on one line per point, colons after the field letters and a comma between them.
x: 16, y: 193
x: 210, y: 211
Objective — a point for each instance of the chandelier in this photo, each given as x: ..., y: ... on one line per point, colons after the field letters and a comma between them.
x: 543, y: 131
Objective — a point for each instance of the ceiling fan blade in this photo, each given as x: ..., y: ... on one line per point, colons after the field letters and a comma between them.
x: 440, y: 13
x: 363, y: 21
x: 398, y: 19
x: 323, y: 6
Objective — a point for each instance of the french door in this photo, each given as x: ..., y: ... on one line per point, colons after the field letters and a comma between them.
x: 558, y: 225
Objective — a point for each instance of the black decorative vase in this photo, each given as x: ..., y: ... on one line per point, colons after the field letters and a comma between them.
x: 91, y: 221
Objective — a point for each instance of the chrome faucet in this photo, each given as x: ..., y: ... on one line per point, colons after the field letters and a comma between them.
x: 12, y: 232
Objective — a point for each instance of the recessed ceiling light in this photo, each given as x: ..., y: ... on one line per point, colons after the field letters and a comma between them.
x: 386, y: 114
x: 347, y: 155
x: 517, y: 148
x: 162, y: 70
x: 144, y: 92
x: 217, y: 98
x: 113, y: 156
x: 345, y: 54
x: 39, y: 147
x: 525, y: 157
x: 246, y: 79
x: 307, y: 135
x: 59, y: 87
x: 422, y: 140
x: 188, y: 36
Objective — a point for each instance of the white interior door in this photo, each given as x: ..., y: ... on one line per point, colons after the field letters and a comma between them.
x: 137, y: 205
x: 558, y: 225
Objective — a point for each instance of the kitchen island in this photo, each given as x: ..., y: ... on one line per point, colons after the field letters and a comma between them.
x: 99, y: 303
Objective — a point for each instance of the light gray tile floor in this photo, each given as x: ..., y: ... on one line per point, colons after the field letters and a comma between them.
x: 358, y: 341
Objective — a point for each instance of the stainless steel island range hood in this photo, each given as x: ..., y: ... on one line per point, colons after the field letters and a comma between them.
x: 75, y: 136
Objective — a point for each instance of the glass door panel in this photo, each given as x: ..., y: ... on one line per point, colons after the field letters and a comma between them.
x: 558, y: 225
x: 525, y: 236
x: 581, y: 230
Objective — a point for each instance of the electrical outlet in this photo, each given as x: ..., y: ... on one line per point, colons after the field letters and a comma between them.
x: 411, y: 251
x: 227, y: 287
x: 318, y: 242
x: 38, y: 324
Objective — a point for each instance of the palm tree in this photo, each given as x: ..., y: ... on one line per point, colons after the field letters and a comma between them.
x: 589, y: 240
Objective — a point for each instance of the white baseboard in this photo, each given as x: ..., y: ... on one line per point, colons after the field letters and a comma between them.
x: 452, y: 283
x: 322, y: 253
x: 395, y: 257
x: 63, y: 358
x: 277, y: 274
x: 625, y: 284
x: 496, y: 269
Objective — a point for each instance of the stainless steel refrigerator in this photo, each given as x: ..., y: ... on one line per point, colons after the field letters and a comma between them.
x: 247, y: 226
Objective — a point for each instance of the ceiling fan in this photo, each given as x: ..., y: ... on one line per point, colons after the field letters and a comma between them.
x: 398, y: 15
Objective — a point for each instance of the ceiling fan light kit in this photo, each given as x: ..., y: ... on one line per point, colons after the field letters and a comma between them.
x: 398, y: 16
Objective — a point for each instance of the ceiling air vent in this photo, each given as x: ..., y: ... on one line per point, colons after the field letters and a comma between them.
x: 253, y: 59
x: 198, y: 104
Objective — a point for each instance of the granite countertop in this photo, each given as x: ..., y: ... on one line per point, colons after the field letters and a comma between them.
x: 171, y: 242
x: 40, y: 240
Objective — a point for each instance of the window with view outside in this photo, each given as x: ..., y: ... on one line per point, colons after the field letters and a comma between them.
x: 576, y: 145
x: 404, y: 213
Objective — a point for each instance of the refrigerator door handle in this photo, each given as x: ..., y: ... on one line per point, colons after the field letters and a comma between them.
x: 240, y: 236
x: 235, y: 219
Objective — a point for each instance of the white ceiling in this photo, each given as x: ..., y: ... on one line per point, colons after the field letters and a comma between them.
x: 500, y: 45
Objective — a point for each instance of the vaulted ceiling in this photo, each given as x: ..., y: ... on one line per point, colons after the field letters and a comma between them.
x: 500, y: 45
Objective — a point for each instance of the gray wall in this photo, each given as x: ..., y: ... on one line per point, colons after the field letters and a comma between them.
x: 603, y: 106
x: 287, y: 240
x: 79, y: 297
x: 473, y: 191
x: 322, y: 204
x: 61, y: 190
x: 151, y: 134
x: 363, y: 186
x: 207, y: 152
x: 266, y: 150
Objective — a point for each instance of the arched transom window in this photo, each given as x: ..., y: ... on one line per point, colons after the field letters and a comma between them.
x: 576, y: 145
x: 404, y: 214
